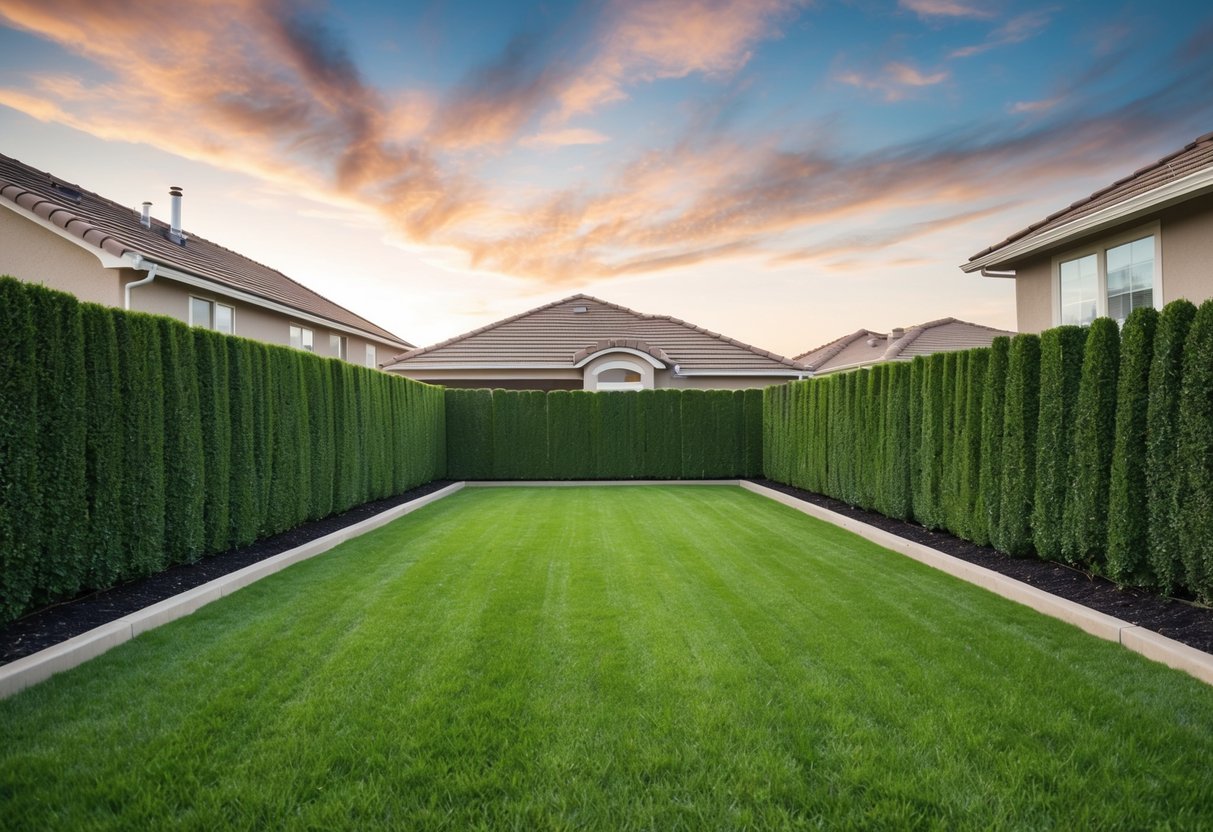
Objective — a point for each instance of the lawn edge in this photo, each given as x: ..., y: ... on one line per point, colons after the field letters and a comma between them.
x: 1147, y: 643
x: 37, y: 667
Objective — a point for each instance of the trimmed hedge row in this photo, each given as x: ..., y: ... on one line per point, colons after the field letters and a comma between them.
x: 1093, y: 446
x: 577, y: 434
x: 131, y: 442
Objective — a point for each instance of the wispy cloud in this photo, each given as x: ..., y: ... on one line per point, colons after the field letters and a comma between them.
x: 266, y: 89
x: 565, y: 137
x: 948, y: 8
x: 1041, y: 106
x: 1016, y: 30
x: 895, y: 80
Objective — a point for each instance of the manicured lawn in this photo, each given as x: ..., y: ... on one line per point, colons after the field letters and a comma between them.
x: 610, y: 658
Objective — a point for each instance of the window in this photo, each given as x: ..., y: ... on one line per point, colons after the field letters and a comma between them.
x: 1112, y: 280
x: 337, y: 345
x: 302, y: 338
x: 212, y: 315
x: 370, y: 356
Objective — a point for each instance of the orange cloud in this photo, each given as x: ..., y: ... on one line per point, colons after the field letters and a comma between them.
x: 894, y: 81
x: 566, y: 137
x: 947, y: 8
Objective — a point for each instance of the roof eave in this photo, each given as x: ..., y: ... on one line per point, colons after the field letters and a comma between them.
x: 1164, y: 196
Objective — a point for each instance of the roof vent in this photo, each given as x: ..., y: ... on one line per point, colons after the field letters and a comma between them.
x: 66, y: 191
x: 145, y: 218
x: 896, y: 333
x: 580, y: 310
x: 174, y: 232
x: 873, y: 341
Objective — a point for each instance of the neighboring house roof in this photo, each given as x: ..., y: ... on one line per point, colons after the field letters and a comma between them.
x: 556, y: 336
x: 866, y: 346
x: 116, y: 230
x: 1174, y: 178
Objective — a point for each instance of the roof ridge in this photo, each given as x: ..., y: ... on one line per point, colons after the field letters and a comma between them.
x: 836, y: 346
x: 1078, y: 203
x: 161, y: 225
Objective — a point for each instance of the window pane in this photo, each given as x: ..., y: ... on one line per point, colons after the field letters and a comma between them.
x: 370, y: 356
x: 1130, y: 277
x: 308, y: 343
x: 224, y: 319
x: 1079, y: 288
x: 200, y: 312
x: 337, y: 345
x: 297, y: 337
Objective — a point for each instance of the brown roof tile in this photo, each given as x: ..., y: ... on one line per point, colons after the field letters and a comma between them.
x: 1191, y: 158
x: 115, y: 229
x: 555, y: 334
x: 943, y: 335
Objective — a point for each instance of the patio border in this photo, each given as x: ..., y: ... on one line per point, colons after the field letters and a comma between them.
x: 65, y: 655
x: 1148, y: 643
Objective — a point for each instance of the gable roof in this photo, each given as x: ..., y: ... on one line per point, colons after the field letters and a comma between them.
x: 864, y: 346
x: 1181, y: 175
x: 555, y: 336
x: 117, y: 231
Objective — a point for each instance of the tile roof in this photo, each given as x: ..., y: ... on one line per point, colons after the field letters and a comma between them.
x: 554, y: 334
x: 1193, y: 157
x: 868, y: 347
x: 117, y: 230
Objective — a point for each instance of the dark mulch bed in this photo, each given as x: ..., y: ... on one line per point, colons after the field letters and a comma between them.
x: 51, y: 625
x: 1172, y: 618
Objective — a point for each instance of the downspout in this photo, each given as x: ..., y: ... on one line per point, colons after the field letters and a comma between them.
x: 137, y: 262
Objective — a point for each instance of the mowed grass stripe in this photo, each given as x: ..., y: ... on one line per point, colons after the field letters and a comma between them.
x: 615, y: 658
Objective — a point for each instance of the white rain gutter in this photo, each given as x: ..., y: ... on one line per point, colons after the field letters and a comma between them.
x: 997, y: 273
x: 138, y: 262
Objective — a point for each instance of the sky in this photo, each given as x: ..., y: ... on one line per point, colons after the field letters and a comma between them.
x: 782, y: 172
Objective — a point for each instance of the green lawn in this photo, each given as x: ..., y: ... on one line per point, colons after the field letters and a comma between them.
x: 610, y: 658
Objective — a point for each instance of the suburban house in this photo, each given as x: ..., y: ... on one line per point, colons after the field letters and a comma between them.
x: 1144, y: 240
x: 65, y: 237
x: 866, y: 347
x: 583, y: 343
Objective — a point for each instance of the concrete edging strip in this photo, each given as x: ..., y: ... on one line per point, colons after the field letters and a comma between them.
x: 39, y: 666
x: 1153, y: 646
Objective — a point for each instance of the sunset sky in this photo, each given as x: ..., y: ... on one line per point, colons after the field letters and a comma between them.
x: 781, y: 172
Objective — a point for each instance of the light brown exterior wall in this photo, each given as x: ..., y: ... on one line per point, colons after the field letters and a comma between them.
x: 35, y: 254
x: 1186, y: 236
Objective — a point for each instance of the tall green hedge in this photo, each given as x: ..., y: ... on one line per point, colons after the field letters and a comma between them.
x: 1086, y: 505
x: 1128, y: 525
x: 1021, y: 410
x: 1061, y: 352
x: 1193, y: 503
x: 987, y: 508
x: 1162, y: 443
x: 132, y: 442
x: 576, y: 434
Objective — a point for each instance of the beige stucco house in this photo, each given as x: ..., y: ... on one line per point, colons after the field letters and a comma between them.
x: 866, y: 347
x: 67, y: 238
x: 582, y: 342
x: 1144, y: 240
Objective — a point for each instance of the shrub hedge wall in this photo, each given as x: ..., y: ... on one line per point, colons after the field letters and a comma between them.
x: 1090, y: 445
x: 576, y: 434
x: 131, y: 442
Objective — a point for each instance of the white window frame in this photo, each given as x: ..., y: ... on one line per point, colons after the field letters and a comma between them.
x: 627, y: 366
x: 212, y: 305
x: 1099, y: 248
x: 371, y: 358
x: 302, y: 341
x: 339, y: 345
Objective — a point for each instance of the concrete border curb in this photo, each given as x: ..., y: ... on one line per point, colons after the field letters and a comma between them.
x: 34, y: 668
x: 1153, y: 646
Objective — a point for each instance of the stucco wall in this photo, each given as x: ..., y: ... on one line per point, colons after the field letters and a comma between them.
x: 35, y: 254
x: 1186, y: 236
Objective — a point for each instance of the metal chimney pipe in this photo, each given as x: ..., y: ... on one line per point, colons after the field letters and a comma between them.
x: 145, y: 218
x: 174, y: 193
